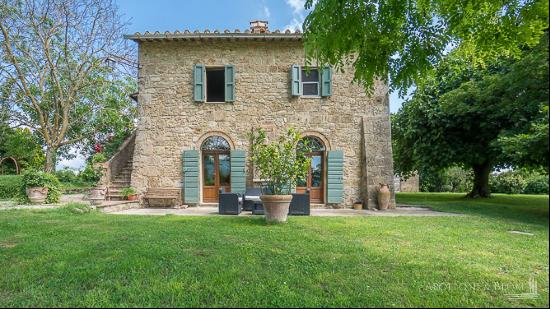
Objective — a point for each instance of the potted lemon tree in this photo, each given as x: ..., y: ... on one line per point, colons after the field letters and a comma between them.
x: 280, y: 164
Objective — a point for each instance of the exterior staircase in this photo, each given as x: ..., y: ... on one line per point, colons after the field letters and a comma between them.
x: 118, y: 173
x: 119, y: 182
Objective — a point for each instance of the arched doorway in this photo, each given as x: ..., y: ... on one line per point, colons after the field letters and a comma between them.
x: 216, y: 167
x: 315, y: 179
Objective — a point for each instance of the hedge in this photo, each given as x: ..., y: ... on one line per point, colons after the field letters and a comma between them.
x: 10, y: 186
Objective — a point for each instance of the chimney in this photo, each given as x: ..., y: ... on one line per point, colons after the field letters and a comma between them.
x: 259, y: 26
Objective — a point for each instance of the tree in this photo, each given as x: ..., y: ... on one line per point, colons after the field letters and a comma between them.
x: 22, y: 145
x: 403, y: 40
x: 54, y: 56
x: 115, y: 121
x: 462, y: 115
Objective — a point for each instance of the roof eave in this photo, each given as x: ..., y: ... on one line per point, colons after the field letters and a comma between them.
x: 214, y: 36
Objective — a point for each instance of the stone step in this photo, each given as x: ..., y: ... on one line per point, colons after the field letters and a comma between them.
x: 120, y: 181
x: 115, y: 196
x: 122, y: 177
x: 114, y: 190
x: 112, y: 206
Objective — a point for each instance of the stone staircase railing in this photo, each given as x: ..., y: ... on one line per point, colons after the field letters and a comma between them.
x: 124, y: 153
x: 119, y: 160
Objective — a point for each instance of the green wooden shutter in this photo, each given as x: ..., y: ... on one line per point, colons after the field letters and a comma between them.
x: 326, y: 82
x: 335, y: 176
x: 229, y: 83
x: 296, y: 86
x: 198, y: 83
x: 238, y: 174
x: 191, y: 176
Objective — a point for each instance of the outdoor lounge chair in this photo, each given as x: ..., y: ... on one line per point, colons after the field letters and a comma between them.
x: 229, y: 204
x: 251, y: 196
x: 300, y: 205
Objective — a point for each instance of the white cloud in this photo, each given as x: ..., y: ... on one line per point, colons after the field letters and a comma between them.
x: 296, y: 5
x: 295, y: 24
x: 267, y: 12
x: 77, y: 163
x: 298, y: 14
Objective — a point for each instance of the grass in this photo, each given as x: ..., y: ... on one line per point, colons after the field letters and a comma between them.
x: 75, y: 187
x: 71, y: 258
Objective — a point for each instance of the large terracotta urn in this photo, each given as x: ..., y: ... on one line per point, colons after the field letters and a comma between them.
x: 37, y: 195
x: 276, y: 207
x: 384, y: 196
x: 97, y: 195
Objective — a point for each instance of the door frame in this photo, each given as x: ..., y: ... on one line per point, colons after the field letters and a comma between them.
x: 216, y: 154
x: 323, y: 156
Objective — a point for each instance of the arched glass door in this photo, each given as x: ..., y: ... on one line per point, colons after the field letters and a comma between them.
x: 216, y: 168
x: 316, y: 174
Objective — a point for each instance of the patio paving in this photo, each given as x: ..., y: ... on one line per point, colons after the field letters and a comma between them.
x: 400, y: 211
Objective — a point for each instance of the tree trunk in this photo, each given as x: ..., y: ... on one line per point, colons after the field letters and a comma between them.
x: 481, y: 180
x: 51, y: 158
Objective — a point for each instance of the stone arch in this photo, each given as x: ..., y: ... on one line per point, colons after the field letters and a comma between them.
x: 14, y: 163
x: 320, y: 136
x: 214, y: 133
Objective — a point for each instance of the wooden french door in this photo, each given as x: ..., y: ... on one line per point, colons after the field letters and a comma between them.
x: 216, y: 174
x: 315, y: 178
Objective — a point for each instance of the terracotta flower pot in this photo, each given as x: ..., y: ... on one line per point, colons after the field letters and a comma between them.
x: 132, y: 197
x: 37, y: 195
x: 384, y: 196
x: 97, y: 195
x: 276, y: 207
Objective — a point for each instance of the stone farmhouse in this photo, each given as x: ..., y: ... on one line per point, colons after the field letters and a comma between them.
x: 201, y: 93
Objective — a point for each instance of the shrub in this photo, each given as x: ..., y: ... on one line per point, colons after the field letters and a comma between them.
x: 93, y: 171
x: 66, y: 175
x: 34, y: 178
x: 537, y: 184
x: 10, y: 186
x: 99, y: 158
x: 510, y: 182
x: 459, y: 179
x: 77, y: 208
x: 453, y: 179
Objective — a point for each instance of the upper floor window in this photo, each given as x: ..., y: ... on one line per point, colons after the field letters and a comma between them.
x: 214, y: 84
x: 310, y: 82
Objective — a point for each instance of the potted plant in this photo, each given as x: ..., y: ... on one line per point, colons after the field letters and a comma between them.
x: 129, y: 193
x: 280, y: 164
x: 94, y: 174
x: 35, y: 185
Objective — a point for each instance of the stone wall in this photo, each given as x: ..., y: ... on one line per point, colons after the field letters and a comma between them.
x: 377, y: 162
x: 412, y: 184
x: 171, y: 122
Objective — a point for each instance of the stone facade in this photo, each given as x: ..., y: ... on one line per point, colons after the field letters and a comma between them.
x: 171, y: 122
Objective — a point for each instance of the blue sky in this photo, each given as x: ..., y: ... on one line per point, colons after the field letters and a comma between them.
x: 171, y: 15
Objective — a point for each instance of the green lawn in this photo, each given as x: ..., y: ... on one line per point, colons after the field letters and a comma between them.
x: 58, y: 258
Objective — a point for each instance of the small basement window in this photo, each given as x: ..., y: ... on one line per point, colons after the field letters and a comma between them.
x: 310, y: 82
x: 215, y: 85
